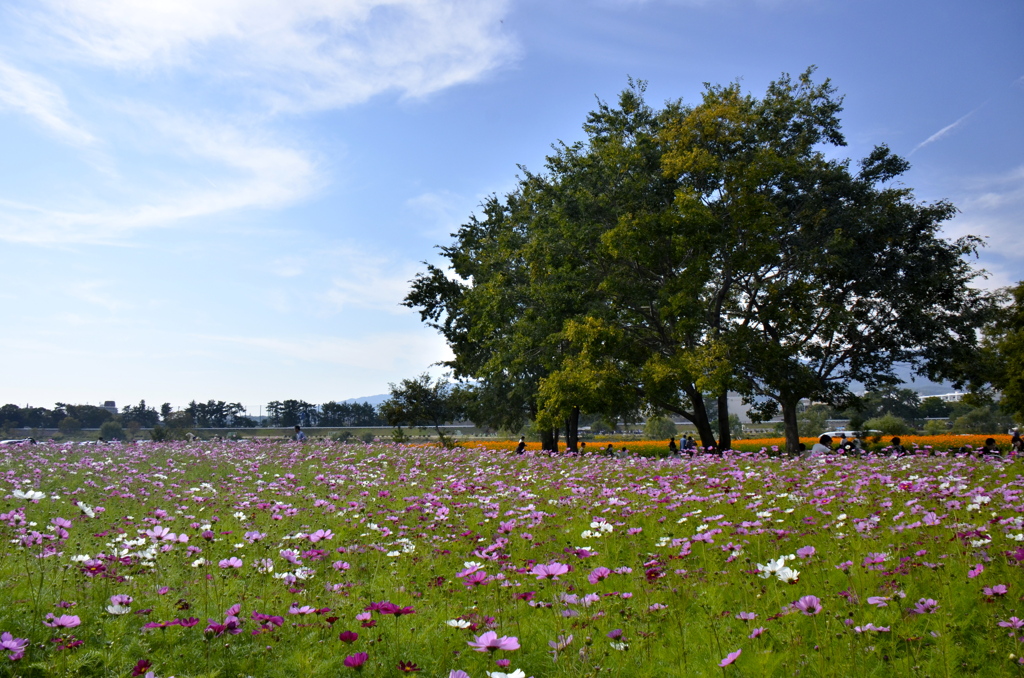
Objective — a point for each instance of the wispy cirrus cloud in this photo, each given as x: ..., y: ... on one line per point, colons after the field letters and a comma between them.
x: 43, y: 101
x: 299, y: 55
x: 239, y: 169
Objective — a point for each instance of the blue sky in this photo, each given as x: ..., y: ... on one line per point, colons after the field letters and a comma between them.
x: 226, y: 200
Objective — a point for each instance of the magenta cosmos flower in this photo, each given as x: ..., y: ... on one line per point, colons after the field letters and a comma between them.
x: 489, y: 642
x: 356, y: 661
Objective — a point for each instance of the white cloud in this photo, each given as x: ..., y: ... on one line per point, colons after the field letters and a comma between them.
x: 243, y: 169
x: 299, y: 54
x: 40, y: 99
x: 367, y: 281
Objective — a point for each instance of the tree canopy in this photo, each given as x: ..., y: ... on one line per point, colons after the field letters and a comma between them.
x: 678, y: 254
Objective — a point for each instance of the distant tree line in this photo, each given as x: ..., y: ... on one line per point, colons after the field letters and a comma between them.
x: 70, y: 418
x: 332, y: 414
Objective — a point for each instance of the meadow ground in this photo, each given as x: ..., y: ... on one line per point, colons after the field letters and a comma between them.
x: 327, y: 559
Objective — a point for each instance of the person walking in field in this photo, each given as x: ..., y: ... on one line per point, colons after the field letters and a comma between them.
x: 299, y: 436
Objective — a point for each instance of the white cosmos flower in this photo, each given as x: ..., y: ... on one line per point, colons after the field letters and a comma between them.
x: 787, y: 575
x: 118, y: 609
x: 458, y: 623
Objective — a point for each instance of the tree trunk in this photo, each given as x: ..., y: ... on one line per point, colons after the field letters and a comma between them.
x: 572, y: 430
x: 549, y: 440
x: 789, y: 421
x: 700, y: 420
x: 724, y: 434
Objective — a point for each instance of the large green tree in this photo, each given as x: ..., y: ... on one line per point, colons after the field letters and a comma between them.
x: 681, y: 253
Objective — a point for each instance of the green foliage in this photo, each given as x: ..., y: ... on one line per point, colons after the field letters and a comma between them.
x: 722, y: 248
x: 69, y: 426
x: 813, y: 420
x: 421, y: 402
x: 984, y: 419
x: 889, y: 424
x: 660, y: 428
x: 1003, y: 363
x: 111, y: 430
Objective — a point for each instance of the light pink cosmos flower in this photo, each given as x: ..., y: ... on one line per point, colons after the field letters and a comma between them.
x: 809, y: 605
x: 458, y: 673
x: 997, y: 590
x: 925, y: 606
x: 489, y: 642
x: 64, y: 621
x: 551, y: 571
x: 229, y: 563
x: 730, y: 658
x: 871, y: 627
x: 1012, y: 623
x: 756, y: 633
x: 878, y: 601
x: 805, y: 552
x: 746, y: 616
x: 975, y: 571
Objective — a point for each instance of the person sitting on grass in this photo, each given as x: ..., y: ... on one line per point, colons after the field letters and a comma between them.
x: 990, y: 449
x: 673, y: 449
x: 299, y: 436
x: 896, y: 448
x: 823, y: 446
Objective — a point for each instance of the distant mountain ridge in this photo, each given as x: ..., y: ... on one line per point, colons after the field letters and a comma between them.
x: 374, y: 400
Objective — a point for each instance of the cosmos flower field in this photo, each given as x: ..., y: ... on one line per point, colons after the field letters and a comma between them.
x: 330, y: 559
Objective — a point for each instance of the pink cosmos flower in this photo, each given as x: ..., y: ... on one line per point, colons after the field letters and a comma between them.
x: 757, y: 632
x: 975, y: 571
x: 805, y: 552
x: 997, y: 590
x: 878, y: 601
x: 356, y: 661
x: 598, y: 574
x: 925, y: 606
x: 458, y: 673
x: 871, y: 627
x: 1012, y: 623
x: 809, y: 605
x: 746, y: 616
x: 65, y: 621
x: 730, y: 658
x: 551, y: 571
x: 230, y: 563
x: 16, y: 646
x: 319, y: 535
x: 489, y: 642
